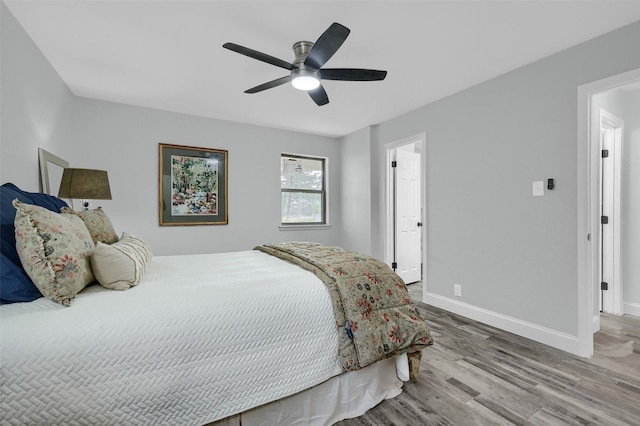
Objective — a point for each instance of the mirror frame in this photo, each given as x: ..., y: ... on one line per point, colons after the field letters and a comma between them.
x: 45, y: 157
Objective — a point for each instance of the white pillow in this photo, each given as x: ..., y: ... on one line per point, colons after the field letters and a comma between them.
x: 120, y: 265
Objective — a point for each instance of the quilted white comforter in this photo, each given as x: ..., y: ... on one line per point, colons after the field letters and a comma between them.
x: 201, y: 338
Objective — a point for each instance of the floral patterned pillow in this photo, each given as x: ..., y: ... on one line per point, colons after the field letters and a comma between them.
x: 98, y: 224
x: 54, y: 250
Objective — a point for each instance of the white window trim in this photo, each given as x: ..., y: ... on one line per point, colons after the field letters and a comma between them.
x: 310, y: 226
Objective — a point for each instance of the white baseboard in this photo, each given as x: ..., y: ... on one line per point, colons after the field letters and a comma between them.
x: 632, y: 309
x: 553, y: 338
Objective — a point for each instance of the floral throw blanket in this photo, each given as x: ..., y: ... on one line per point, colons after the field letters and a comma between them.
x: 372, y: 307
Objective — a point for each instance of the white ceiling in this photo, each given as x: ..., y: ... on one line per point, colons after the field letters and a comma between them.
x: 168, y: 54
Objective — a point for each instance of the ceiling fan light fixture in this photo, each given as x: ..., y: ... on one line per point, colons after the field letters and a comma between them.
x: 305, y: 82
x: 303, y: 79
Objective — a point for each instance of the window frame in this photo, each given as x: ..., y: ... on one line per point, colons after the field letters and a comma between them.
x: 324, y: 223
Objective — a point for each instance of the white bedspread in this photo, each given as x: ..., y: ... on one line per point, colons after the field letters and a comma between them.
x: 202, y: 337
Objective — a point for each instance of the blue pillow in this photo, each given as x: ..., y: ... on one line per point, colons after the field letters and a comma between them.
x: 15, y: 284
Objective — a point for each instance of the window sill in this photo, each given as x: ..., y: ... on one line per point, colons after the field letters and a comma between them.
x: 303, y: 227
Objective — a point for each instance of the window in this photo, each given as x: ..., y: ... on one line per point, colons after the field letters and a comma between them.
x: 303, y: 190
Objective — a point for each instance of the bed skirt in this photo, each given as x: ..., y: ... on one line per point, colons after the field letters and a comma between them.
x: 342, y: 397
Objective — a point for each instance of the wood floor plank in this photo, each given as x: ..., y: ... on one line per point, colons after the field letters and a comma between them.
x: 503, y: 411
x: 451, y: 410
x: 547, y: 417
x: 572, y: 405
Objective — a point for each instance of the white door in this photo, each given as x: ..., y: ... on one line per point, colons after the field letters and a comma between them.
x: 407, y: 217
x: 610, y: 181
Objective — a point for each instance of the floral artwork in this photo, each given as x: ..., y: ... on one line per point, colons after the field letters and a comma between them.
x: 194, y: 185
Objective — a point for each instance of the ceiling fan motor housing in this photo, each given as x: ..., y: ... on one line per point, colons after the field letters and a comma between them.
x: 301, y: 50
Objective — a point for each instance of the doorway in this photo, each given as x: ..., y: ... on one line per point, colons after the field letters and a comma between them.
x: 405, y: 234
x: 590, y: 196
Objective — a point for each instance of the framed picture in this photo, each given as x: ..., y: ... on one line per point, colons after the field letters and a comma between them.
x: 193, y: 186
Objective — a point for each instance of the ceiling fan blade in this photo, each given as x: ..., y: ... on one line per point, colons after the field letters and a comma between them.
x: 319, y: 96
x: 258, y: 55
x: 352, y: 74
x: 328, y: 44
x: 269, y: 85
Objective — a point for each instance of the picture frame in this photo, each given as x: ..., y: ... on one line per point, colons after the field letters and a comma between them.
x: 192, y: 186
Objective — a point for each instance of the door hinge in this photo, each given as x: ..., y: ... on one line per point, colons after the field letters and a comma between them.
x: 604, y: 286
x: 604, y: 220
x: 605, y: 153
x: 394, y: 163
x: 419, y: 224
x: 394, y: 265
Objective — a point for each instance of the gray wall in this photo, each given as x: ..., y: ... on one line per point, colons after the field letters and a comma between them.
x: 513, y: 254
x: 356, y: 192
x: 37, y: 107
x: 124, y: 140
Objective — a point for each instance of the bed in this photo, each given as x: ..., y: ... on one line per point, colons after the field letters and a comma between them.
x: 250, y: 337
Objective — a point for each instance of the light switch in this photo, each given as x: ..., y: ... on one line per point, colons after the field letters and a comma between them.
x: 538, y: 188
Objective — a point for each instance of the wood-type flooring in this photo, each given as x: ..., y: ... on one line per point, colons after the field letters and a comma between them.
x: 475, y: 374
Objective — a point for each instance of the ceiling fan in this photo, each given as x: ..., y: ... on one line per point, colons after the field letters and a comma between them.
x: 306, y: 69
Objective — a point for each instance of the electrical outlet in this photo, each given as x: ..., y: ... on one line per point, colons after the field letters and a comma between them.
x: 457, y: 290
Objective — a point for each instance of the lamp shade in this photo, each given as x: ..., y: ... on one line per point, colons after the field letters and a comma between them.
x: 85, y: 184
